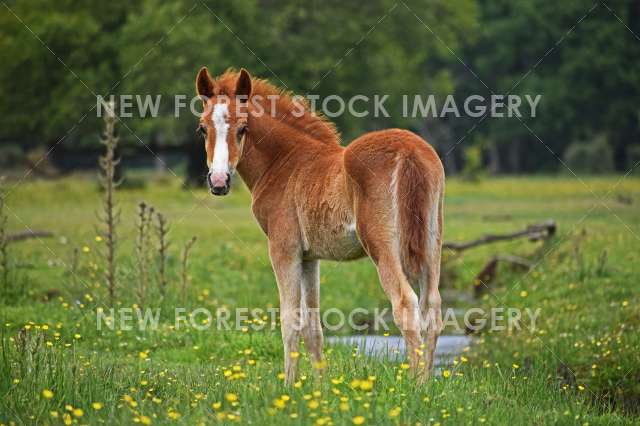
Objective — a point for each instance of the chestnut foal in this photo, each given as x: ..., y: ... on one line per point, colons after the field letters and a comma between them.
x: 381, y: 196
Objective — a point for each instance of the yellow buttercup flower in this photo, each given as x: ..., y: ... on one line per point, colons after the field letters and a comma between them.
x: 320, y: 365
x: 231, y: 397
x: 358, y: 420
x: 97, y: 405
x: 366, y: 385
x: 46, y: 393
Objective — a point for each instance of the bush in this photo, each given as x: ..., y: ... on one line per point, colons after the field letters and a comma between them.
x: 10, y: 155
x: 473, y: 169
x: 595, y: 156
x: 633, y: 156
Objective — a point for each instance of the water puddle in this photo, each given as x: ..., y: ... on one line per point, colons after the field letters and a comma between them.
x: 393, y: 348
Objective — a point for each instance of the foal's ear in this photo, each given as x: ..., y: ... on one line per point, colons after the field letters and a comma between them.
x: 243, y: 85
x: 204, y: 83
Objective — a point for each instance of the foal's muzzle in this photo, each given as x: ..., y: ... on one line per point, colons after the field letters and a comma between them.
x: 219, y: 183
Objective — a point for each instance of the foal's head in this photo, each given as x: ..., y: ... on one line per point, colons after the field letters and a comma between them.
x: 223, y: 126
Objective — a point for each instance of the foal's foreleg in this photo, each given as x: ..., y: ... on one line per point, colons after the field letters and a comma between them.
x: 312, y: 327
x: 288, y: 270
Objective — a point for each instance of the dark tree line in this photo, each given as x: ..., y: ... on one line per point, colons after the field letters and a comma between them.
x: 582, y: 57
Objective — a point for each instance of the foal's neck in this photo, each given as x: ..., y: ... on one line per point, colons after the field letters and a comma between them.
x: 270, y: 143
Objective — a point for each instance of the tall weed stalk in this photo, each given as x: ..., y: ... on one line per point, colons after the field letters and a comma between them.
x: 110, y: 214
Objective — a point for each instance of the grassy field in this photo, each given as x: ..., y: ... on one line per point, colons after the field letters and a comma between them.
x: 580, y: 365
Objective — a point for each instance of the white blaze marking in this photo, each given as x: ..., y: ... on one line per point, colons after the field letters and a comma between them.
x: 221, y: 151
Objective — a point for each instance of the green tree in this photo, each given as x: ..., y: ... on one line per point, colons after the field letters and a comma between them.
x: 578, y: 55
x: 58, y: 55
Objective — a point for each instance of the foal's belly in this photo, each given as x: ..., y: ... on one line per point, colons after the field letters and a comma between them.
x: 333, y: 237
x: 337, y: 241
x: 325, y: 216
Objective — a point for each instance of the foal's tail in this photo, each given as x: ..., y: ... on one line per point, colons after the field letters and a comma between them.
x: 420, y: 201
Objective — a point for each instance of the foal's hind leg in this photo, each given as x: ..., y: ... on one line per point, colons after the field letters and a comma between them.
x: 430, y: 301
x: 404, y: 303
x: 431, y: 315
x: 377, y: 229
x: 382, y: 248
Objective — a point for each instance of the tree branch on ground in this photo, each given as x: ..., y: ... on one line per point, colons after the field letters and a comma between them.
x: 540, y: 231
x: 21, y: 236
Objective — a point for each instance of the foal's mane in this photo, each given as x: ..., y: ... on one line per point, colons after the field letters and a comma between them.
x: 313, y: 124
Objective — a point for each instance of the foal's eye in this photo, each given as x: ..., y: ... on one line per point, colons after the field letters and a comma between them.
x: 201, y: 130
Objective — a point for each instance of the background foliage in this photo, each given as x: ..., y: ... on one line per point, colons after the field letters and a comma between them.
x: 578, y: 54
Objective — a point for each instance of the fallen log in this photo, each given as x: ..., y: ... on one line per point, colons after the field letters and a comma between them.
x: 540, y: 231
x: 21, y: 236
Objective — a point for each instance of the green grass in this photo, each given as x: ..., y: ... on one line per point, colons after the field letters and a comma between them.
x: 580, y: 365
